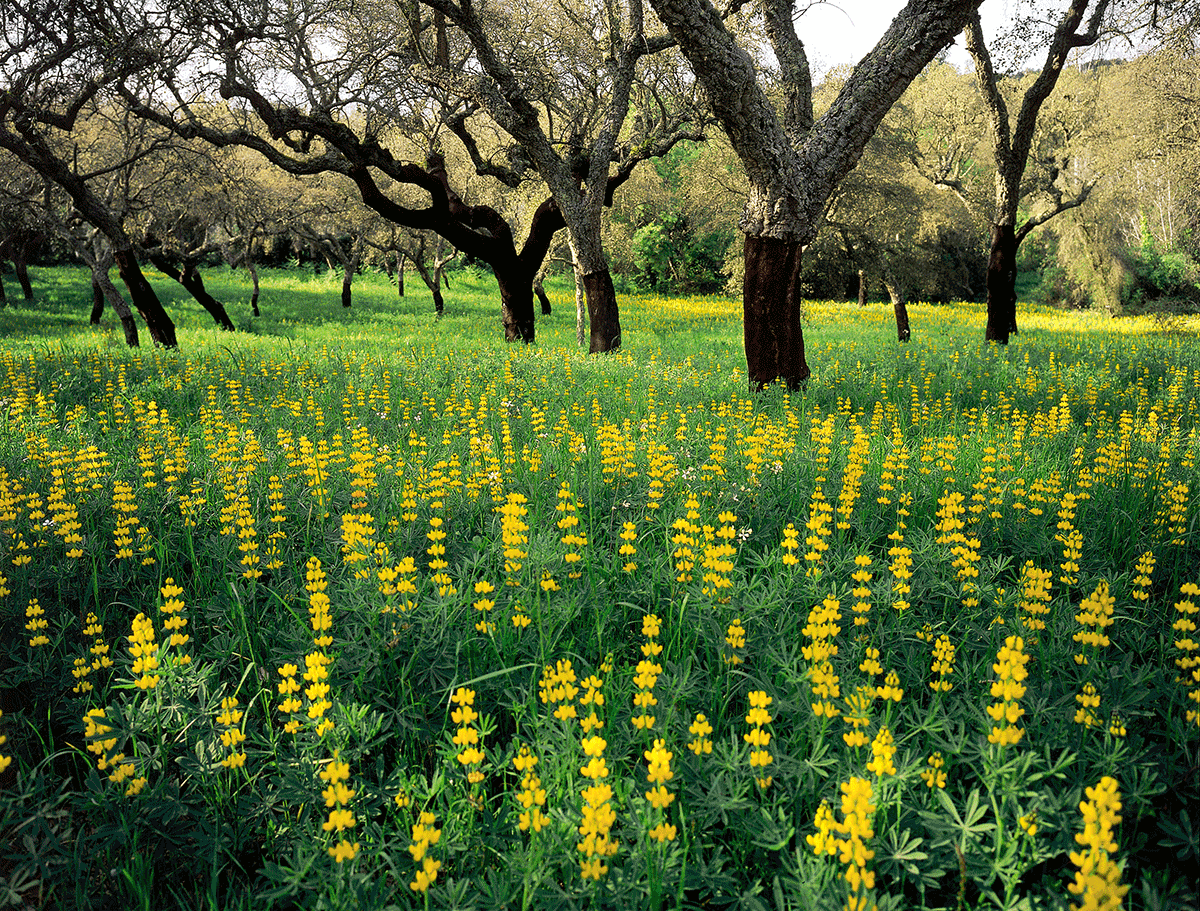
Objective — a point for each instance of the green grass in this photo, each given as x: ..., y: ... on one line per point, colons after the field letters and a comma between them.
x: 323, y: 443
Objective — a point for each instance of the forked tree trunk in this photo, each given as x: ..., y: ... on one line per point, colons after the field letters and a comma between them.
x: 124, y: 314
x: 104, y: 290
x: 433, y: 281
x: 771, y: 313
x: 900, y: 308
x: 194, y: 284
x: 145, y: 301
x: 1001, y: 284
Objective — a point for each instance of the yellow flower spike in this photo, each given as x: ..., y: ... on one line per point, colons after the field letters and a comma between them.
x: 700, y: 729
x: 1098, y: 879
x: 934, y: 776
x: 1008, y: 689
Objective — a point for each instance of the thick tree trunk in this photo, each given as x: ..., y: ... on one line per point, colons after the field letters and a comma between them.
x: 141, y: 293
x: 603, y: 315
x: 900, y: 308
x: 3, y: 295
x: 516, y: 304
x: 771, y: 311
x: 1001, y: 284
x: 862, y: 288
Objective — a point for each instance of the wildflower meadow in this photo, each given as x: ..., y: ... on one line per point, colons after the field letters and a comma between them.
x: 356, y: 608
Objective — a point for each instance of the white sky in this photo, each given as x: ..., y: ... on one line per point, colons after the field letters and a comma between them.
x: 842, y: 31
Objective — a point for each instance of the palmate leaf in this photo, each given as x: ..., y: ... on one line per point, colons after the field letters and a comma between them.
x: 901, y: 851
x: 960, y: 828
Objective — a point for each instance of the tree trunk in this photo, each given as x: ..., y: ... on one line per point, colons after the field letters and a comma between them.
x: 21, y: 267
x: 254, y: 278
x: 3, y: 295
x: 109, y: 291
x: 516, y: 303
x: 141, y: 293
x: 190, y: 278
x: 771, y: 311
x: 862, y: 288
x: 900, y: 308
x: 399, y: 274
x: 1001, y: 284
x: 537, y: 286
x: 541, y: 296
x: 580, y: 296
x: 347, y: 278
x: 194, y: 283
x: 603, y: 315
x: 97, y: 302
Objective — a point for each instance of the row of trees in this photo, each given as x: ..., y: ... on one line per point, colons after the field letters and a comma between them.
x: 410, y: 129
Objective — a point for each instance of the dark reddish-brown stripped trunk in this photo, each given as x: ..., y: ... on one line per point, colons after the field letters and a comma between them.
x: 903, y: 332
x: 104, y: 290
x: 516, y: 303
x: 603, y: 315
x: 1001, y: 284
x: 900, y: 308
x: 771, y: 313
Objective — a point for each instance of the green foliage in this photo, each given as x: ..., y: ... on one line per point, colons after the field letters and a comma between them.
x: 668, y: 255
x: 1161, y: 274
x: 253, y: 458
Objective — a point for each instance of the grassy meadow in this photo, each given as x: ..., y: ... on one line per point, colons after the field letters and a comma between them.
x: 355, y: 608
